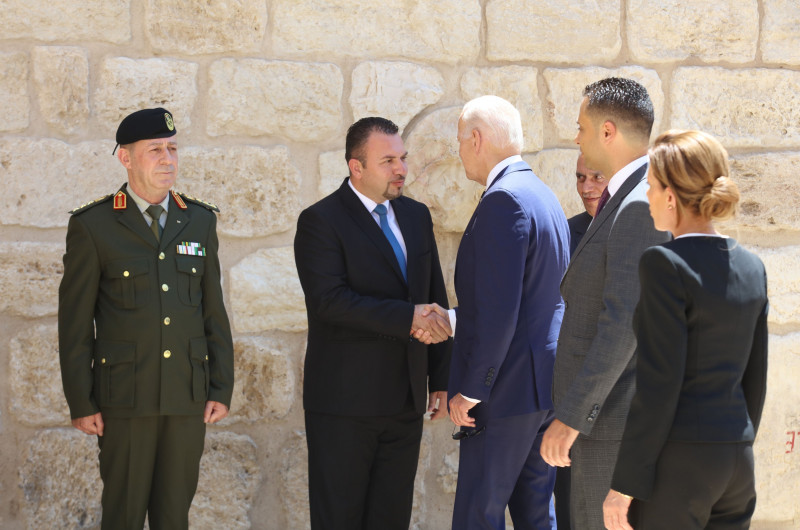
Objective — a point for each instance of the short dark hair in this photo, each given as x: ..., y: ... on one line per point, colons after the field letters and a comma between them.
x: 623, y: 101
x: 358, y: 134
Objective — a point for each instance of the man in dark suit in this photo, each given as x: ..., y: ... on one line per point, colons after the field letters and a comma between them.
x: 590, y: 184
x: 145, y: 344
x: 368, y: 264
x: 512, y: 255
x: 593, y: 380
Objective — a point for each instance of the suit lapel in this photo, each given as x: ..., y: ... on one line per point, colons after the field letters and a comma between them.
x: 366, y: 223
x: 407, y: 225
x: 177, y: 220
x: 132, y: 218
x: 610, y: 207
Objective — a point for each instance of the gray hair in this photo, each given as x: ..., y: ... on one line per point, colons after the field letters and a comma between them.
x: 497, y: 119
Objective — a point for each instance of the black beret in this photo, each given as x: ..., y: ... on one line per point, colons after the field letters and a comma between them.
x: 146, y: 124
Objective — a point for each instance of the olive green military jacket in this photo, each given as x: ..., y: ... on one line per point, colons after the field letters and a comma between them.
x: 142, y: 328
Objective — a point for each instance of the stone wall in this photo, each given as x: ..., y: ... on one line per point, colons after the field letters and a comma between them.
x: 262, y: 92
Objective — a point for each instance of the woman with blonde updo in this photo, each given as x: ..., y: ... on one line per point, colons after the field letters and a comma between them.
x: 701, y: 357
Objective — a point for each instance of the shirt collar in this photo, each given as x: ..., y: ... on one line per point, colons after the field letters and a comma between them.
x: 622, y: 175
x: 500, y: 167
x: 143, y: 204
x: 369, y: 204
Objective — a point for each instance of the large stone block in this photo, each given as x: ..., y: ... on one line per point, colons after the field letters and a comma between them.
x: 394, y: 90
x: 37, y: 397
x: 29, y: 278
x: 294, y: 482
x: 332, y: 171
x: 783, y: 283
x: 189, y: 27
x: 72, y: 20
x: 435, y: 174
x: 256, y: 188
x: 80, y: 172
x: 15, y: 107
x: 419, y: 504
x: 265, y: 378
x: 61, y: 76
x: 448, y: 473
x: 447, y: 244
x: 60, y: 480
x: 753, y: 107
x: 229, y: 478
x: 518, y: 85
x: 769, y: 191
x: 780, y: 34
x: 565, y: 93
x: 777, y: 447
x: 556, y: 168
x: 254, y: 97
x: 266, y: 293
x: 125, y: 85
x: 553, y: 31
x: 672, y: 30
x: 445, y: 31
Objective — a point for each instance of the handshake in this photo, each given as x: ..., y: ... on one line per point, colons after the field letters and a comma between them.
x: 431, y: 323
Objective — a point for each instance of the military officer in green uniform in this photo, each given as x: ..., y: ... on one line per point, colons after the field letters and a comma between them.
x: 144, y: 339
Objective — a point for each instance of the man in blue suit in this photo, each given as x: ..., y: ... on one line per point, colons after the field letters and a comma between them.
x: 510, y: 262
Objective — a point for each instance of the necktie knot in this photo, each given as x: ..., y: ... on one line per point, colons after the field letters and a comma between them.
x: 380, y: 209
x: 155, y: 211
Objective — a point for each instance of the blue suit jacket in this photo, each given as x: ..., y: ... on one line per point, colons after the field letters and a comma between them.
x: 512, y: 256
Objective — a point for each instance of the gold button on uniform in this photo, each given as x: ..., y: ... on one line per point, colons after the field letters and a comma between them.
x: 167, y: 354
x: 126, y: 274
x: 194, y: 270
x: 166, y: 321
x: 206, y: 357
x: 103, y: 360
x: 161, y: 256
x: 165, y: 287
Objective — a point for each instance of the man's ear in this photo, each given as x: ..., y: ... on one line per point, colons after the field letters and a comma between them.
x: 124, y: 157
x: 609, y: 130
x: 477, y: 140
x: 355, y: 168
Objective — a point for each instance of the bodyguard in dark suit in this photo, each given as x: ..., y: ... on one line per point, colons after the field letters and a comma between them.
x: 593, y: 379
x: 145, y: 344
x: 368, y: 264
x: 701, y: 369
x: 512, y: 255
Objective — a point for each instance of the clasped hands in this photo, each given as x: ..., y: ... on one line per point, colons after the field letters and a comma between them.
x: 431, y: 323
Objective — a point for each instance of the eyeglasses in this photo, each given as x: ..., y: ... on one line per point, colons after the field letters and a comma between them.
x: 461, y: 435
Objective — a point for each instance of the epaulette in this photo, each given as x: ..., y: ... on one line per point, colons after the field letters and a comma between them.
x: 201, y: 202
x: 89, y: 204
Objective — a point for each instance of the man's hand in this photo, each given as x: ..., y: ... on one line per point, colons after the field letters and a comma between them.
x: 557, y: 440
x: 90, y: 424
x: 615, y: 511
x: 436, y: 401
x: 431, y: 323
x: 214, y: 412
x: 459, y: 409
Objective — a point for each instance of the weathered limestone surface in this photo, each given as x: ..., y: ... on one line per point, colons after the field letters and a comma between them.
x: 394, y: 90
x: 753, y: 107
x: 294, y: 483
x: 254, y: 187
x: 780, y: 34
x: 60, y: 480
x: 448, y: 474
x: 37, y: 398
x: 435, y: 174
x: 266, y: 293
x: 93, y: 20
x: 193, y: 28
x: 229, y: 478
x: 671, y: 30
x: 254, y: 97
x: 15, y: 105
x: 783, y: 283
x: 556, y: 168
x: 565, y: 93
x: 552, y: 30
x: 32, y: 272
x: 332, y: 171
x: 446, y: 31
x: 420, y: 502
x: 761, y: 179
x: 265, y: 378
x: 25, y: 200
x: 61, y: 76
x: 126, y: 85
x: 518, y: 85
x: 777, y: 447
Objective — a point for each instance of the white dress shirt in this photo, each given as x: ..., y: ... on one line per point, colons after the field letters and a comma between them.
x: 370, y: 205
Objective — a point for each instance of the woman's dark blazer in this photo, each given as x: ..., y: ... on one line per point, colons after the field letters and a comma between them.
x: 701, y: 330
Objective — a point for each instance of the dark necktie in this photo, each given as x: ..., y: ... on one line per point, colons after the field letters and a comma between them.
x: 387, y: 231
x: 155, y: 211
x: 602, y: 202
